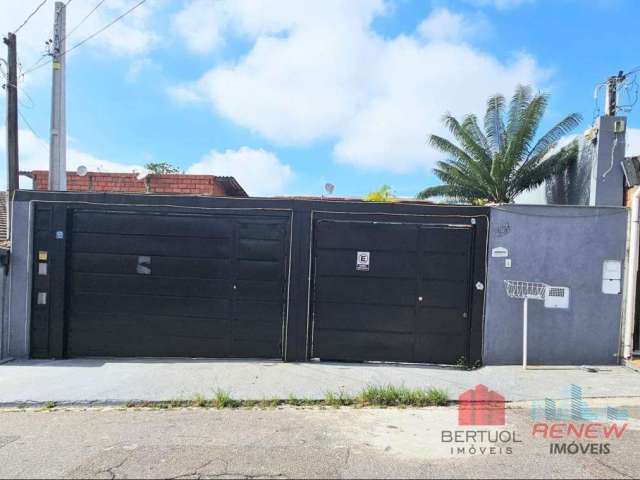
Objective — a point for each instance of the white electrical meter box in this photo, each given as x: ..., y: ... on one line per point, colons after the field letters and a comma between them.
x: 556, y: 297
x: 611, y: 277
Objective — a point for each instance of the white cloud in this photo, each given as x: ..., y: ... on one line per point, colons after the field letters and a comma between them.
x: 34, y: 155
x: 203, y: 24
x: 138, y: 66
x: 445, y: 25
x: 499, y: 4
x: 200, y: 26
x: 259, y: 172
x: 131, y: 36
x: 317, y: 71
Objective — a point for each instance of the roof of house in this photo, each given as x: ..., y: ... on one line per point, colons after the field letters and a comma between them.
x: 232, y: 186
x: 129, y: 182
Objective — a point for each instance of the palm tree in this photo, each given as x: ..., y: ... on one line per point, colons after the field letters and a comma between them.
x: 504, y: 160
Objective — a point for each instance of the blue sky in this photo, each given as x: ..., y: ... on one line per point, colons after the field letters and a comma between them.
x: 288, y: 95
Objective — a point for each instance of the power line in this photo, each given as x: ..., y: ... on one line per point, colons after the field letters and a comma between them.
x: 85, y: 18
x: 108, y: 25
x: 24, y: 119
x: 30, y: 15
x: 39, y: 65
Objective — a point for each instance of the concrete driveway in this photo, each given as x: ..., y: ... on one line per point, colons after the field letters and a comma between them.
x: 123, y: 380
x: 287, y: 443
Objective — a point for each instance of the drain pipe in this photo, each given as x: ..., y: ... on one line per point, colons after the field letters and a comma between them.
x: 632, y: 269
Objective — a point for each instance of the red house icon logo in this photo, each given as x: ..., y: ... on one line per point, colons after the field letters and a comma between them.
x: 480, y: 406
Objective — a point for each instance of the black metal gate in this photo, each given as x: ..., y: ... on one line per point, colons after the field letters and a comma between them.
x: 392, y: 291
x: 175, y: 285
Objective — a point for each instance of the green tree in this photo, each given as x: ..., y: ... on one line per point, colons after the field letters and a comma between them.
x: 383, y: 194
x: 162, y: 168
x: 506, y: 159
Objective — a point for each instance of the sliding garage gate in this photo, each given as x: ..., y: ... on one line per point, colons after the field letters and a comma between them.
x: 392, y: 291
x: 167, y: 285
x: 145, y: 276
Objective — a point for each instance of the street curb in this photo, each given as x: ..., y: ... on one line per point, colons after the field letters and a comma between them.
x: 132, y: 404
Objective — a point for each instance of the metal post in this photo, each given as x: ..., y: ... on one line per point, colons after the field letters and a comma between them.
x: 12, y: 115
x: 524, y: 333
x: 58, y: 144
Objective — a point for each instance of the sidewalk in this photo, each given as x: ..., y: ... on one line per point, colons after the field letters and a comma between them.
x: 122, y: 380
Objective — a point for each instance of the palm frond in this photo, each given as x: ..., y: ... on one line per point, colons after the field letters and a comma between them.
x: 493, y: 122
x: 466, y: 140
x: 518, y: 104
x: 504, y: 160
x: 549, y: 139
x: 481, y: 169
x: 520, y: 139
x: 470, y: 124
x: 436, y: 191
x: 532, y: 175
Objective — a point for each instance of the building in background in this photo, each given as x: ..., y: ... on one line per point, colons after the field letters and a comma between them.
x: 175, y: 183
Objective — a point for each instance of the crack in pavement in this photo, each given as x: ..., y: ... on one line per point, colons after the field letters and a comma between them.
x: 612, y: 468
x: 196, y: 472
x: 111, y: 470
x: 8, y: 440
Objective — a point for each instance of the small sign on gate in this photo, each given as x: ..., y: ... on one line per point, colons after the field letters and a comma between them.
x: 362, y: 261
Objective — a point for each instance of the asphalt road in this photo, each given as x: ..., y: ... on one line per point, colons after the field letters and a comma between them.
x: 287, y: 443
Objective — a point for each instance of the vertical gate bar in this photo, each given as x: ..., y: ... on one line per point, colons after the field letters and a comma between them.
x: 524, y: 333
x: 470, y: 293
x: 58, y: 265
x: 419, y: 292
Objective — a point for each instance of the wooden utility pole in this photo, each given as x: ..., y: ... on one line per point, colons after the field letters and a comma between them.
x: 12, y: 114
x: 58, y: 143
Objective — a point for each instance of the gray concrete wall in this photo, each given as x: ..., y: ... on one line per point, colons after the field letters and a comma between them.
x: 560, y: 246
x: 3, y: 312
x: 607, y: 176
x: 19, y: 286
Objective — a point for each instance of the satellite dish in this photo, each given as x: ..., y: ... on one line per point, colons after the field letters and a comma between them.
x: 82, y: 171
x: 329, y: 188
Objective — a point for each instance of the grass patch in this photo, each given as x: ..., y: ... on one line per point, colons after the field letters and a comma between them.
x: 370, y: 396
x: 340, y: 399
x: 392, y: 396
x: 223, y: 399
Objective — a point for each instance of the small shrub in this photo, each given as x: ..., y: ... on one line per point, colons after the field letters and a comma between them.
x: 339, y: 399
x: 223, y: 399
x: 199, y: 401
x: 392, y: 396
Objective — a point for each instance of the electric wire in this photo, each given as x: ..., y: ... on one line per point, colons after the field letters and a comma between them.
x: 84, y: 18
x: 37, y: 65
x: 30, y: 16
x: 107, y: 26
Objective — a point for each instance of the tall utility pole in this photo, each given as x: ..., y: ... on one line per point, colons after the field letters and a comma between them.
x: 12, y: 114
x: 611, y: 100
x: 58, y: 144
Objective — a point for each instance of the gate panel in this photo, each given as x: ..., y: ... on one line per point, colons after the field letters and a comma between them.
x: 176, y: 285
x: 411, y: 305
